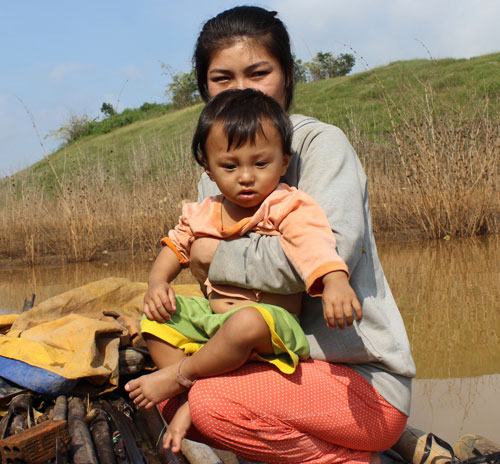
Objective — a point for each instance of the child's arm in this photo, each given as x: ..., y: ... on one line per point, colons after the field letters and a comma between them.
x: 339, y: 300
x: 309, y: 243
x: 159, y: 301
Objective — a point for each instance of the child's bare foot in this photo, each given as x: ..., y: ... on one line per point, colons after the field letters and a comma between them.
x: 151, y: 389
x: 177, y: 428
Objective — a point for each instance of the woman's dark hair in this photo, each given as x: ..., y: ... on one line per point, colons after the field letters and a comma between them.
x: 244, y: 21
x: 241, y: 112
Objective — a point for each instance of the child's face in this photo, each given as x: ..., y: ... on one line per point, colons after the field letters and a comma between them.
x: 248, y: 174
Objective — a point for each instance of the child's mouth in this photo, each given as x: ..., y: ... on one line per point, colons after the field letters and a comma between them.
x: 247, y: 194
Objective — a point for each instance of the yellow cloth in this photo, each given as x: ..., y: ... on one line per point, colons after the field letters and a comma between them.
x: 69, y: 334
x: 6, y: 321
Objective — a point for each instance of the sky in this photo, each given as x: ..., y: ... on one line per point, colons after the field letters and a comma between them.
x: 60, y: 58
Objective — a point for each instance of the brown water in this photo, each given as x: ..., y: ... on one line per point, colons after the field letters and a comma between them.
x: 448, y: 293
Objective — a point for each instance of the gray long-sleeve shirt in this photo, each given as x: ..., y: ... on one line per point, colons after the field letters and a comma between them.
x: 325, y: 166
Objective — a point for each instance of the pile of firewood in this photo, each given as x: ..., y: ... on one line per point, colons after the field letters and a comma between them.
x: 76, y: 430
x: 107, y: 430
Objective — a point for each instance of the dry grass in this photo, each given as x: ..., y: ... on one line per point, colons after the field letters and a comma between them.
x: 96, y: 210
x: 434, y: 175
x: 437, y: 173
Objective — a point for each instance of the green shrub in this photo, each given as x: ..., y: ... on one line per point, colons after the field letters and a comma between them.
x: 81, y: 126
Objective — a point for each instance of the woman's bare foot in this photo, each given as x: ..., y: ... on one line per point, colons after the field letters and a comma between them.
x: 151, y: 389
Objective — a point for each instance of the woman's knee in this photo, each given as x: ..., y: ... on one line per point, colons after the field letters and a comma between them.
x: 206, y: 403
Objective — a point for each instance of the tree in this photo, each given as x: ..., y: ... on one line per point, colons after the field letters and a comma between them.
x: 344, y: 63
x: 324, y: 65
x: 108, y: 110
x: 183, y: 89
x: 74, y: 128
x: 299, y: 70
x: 321, y: 66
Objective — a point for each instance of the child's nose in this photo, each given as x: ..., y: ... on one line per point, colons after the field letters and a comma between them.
x: 246, y: 176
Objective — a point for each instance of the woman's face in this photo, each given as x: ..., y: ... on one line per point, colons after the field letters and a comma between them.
x: 246, y: 64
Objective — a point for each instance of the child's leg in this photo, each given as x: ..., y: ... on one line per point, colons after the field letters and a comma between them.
x: 243, y: 333
x: 162, y: 353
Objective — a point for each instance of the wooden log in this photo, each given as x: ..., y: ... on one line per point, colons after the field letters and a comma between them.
x: 122, y: 422
x: 21, y: 403
x: 101, y: 436
x: 82, y: 447
x: 4, y: 425
x: 154, y: 425
x: 36, y: 445
x: 131, y: 361
x: 18, y: 424
x: 60, y: 411
x: 198, y: 453
x: 227, y: 457
x: 20, y: 415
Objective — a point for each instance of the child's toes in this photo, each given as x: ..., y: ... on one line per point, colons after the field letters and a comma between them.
x: 149, y: 405
x: 143, y: 403
x: 138, y: 399
x: 132, y: 385
x: 128, y: 386
x: 134, y: 393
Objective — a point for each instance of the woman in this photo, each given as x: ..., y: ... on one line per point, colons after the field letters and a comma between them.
x: 353, y: 399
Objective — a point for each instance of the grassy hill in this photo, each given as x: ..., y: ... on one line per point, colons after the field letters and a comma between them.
x: 426, y: 131
x: 361, y: 101
x: 361, y: 98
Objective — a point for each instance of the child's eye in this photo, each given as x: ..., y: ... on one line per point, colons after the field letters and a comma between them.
x: 261, y: 164
x: 229, y: 166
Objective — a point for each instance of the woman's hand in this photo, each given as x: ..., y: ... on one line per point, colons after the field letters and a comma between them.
x: 177, y: 428
x: 339, y: 301
x: 159, y: 301
x: 201, y: 255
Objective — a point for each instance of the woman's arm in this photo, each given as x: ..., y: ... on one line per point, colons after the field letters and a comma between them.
x: 240, y: 262
x: 326, y: 167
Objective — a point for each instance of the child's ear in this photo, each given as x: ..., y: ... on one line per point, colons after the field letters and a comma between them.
x: 286, y: 163
x: 209, y: 174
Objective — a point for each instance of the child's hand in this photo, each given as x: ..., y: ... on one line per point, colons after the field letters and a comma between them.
x: 339, y: 301
x: 159, y: 302
x: 177, y: 429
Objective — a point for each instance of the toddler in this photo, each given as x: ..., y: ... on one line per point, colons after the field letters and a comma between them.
x: 243, y: 141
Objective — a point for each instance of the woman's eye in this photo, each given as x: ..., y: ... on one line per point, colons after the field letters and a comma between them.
x: 220, y: 79
x: 260, y: 73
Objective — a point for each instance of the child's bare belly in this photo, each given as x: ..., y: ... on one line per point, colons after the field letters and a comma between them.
x: 221, y: 303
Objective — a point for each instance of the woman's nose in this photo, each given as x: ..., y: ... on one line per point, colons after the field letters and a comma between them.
x: 240, y: 83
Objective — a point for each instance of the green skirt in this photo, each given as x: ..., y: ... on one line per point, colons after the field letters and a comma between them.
x: 194, y: 323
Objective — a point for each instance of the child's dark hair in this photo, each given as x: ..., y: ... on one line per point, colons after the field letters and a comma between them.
x: 241, y: 112
x: 244, y: 22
